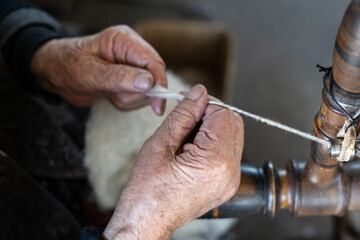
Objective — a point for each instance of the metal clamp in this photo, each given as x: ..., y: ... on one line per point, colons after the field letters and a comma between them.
x: 336, y: 145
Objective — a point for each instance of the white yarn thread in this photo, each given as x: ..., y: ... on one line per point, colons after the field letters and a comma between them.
x: 164, y: 93
x: 161, y: 92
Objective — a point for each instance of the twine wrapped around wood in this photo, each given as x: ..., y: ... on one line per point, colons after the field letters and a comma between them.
x: 349, y: 142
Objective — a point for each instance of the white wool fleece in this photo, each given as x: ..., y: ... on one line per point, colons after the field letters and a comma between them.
x: 113, y: 140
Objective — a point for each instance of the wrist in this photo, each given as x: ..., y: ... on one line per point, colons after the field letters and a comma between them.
x: 133, y: 220
x: 121, y: 229
x: 40, y: 62
x: 48, y: 63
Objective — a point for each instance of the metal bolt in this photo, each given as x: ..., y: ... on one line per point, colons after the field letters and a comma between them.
x: 322, y: 117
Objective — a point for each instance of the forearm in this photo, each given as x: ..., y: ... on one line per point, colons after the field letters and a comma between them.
x: 23, y: 30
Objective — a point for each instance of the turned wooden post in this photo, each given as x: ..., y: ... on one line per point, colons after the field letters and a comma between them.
x: 322, y: 186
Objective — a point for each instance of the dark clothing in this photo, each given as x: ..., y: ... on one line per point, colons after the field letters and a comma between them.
x: 23, y: 29
x: 30, y: 211
x: 92, y: 233
x: 41, y: 145
x: 7, y: 6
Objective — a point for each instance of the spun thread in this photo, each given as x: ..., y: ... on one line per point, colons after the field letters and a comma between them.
x: 164, y: 93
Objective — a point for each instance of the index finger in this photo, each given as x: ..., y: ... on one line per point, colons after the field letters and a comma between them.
x: 141, y: 54
x: 157, y: 70
x: 220, y: 127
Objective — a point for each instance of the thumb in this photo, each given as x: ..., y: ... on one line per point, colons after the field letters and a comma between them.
x: 123, y: 78
x: 182, y: 121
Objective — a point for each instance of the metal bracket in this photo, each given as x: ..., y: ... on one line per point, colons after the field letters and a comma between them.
x: 336, y: 145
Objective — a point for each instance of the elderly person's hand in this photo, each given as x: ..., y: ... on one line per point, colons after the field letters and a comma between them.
x: 116, y: 62
x: 190, y: 165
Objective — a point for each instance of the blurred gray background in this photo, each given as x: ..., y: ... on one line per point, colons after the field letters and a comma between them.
x: 277, y: 44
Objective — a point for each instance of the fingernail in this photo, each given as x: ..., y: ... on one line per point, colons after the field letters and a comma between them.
x: 159, y: 113
x: 195, y: 93
x: 142, y: 82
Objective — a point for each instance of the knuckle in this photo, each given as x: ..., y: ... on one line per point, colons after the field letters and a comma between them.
x: 211, y: 137
x: 223, y: 167
x: 120, y: 78
x: 155, y: 61
x: 125, y: 27
x: 182, y: 112
x: 123, y: 30
x: 231, y: 174
x: 228, y: 114
x: 120, y: 105
x: 160, y: 61
x: 149, y: 142
x: 110, y: 30
x: 123, y: 101
x: 240, y: 125
x: 239, y: 120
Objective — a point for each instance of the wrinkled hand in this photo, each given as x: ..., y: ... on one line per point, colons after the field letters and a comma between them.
x: 190, y: 165
x: 116, y: 62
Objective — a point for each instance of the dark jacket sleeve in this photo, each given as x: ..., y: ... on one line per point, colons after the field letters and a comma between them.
x: 7, y: 6
x: 23, y: 29
x: 92, y: 233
